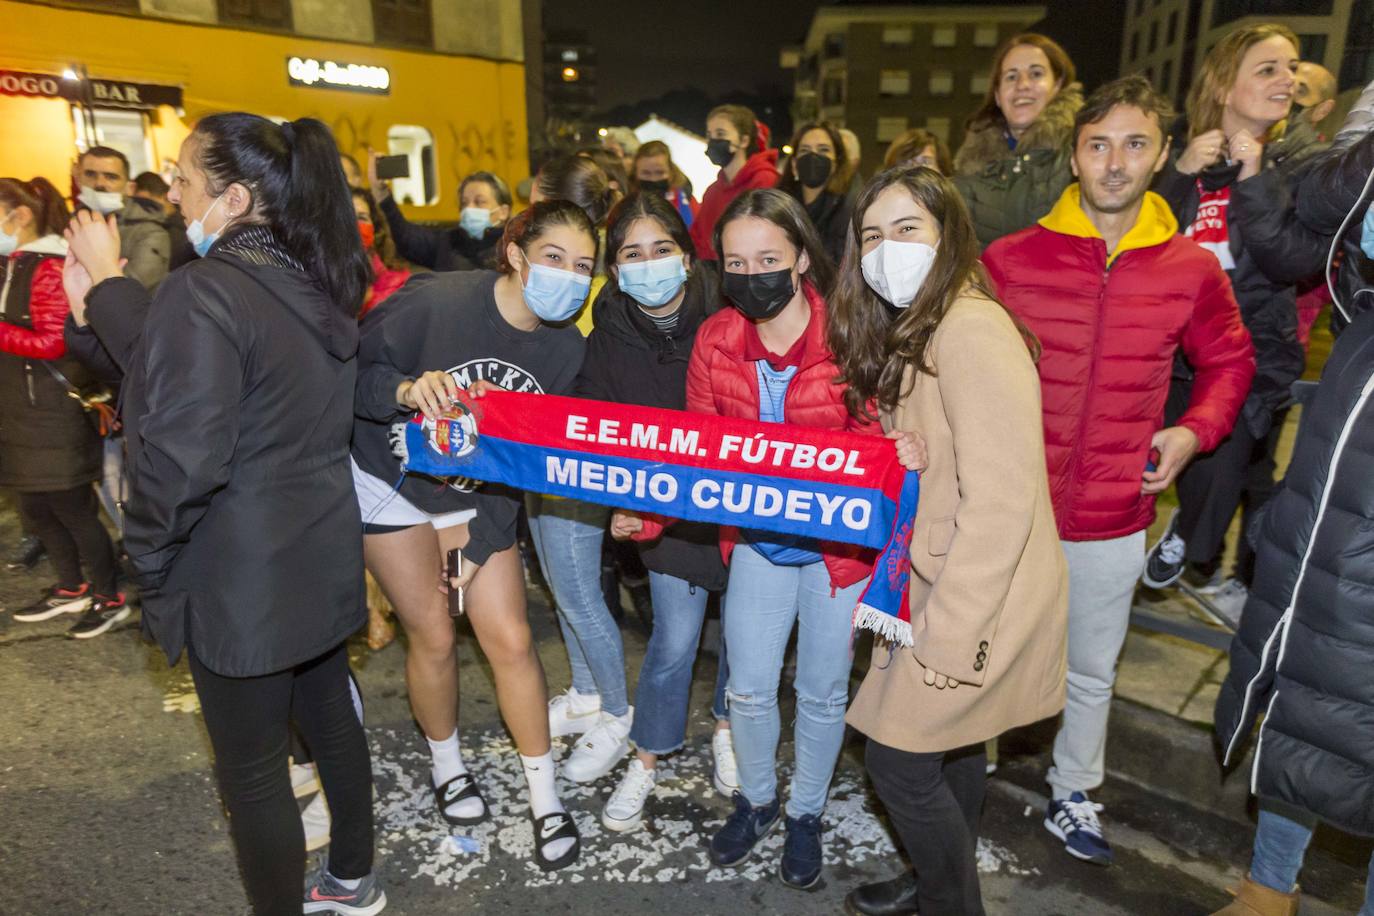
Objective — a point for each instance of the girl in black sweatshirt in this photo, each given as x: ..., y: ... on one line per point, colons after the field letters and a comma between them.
x: 439, y: 333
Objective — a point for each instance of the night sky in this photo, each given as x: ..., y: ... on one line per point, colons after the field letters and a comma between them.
x: 646, y: 49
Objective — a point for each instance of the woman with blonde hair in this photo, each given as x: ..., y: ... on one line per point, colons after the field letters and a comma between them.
x: 1228, y: 189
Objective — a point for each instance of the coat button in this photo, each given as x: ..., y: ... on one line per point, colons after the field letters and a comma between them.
x: 982, y: 656
x: 977, y: 666
x: 983, y: 645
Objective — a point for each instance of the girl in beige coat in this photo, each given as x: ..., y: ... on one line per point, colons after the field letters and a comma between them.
x: 917, y: 332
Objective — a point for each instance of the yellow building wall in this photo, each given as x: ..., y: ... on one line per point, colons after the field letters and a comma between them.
x: 474, y: 108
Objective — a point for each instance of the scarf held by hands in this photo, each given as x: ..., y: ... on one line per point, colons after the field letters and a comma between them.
x: 828, y: 485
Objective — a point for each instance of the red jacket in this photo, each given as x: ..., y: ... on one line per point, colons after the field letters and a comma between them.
x: 1109, y: 328
x: 385, y: 281
x: 721, y: 381
x: 759, y: 171
x: 47, y: 308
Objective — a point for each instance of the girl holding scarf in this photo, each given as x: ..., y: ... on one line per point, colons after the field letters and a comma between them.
x: 917, y: 334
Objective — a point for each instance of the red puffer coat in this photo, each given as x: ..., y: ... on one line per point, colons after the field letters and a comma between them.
x: 721, y: 381
x: 1109, y: 327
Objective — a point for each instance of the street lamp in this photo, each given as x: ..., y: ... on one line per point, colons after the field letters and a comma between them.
x: 570, y: 75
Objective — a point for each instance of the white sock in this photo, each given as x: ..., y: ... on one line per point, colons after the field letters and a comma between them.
x: 349, y: 883
x: 544, y: 798
x: 448, y: 763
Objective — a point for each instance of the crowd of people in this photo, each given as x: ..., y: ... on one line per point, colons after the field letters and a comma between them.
x: 1090, y: 302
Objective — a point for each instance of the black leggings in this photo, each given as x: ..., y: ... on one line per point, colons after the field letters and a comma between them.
x: 935, y: 802
x: 249, y: 719
x: 68, y: 524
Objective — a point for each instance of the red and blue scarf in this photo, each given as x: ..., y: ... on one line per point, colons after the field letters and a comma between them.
x: 823, y: 484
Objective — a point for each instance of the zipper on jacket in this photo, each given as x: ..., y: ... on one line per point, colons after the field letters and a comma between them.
x: 1286, y: 621
x: 1088, y: 392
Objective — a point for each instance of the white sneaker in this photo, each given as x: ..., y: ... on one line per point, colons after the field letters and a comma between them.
x: 1229, y: 600
x: 304, y: 780
x: 624, y: 810
x: 315, y: 820
x: 601, y: 748
x: 571, y: 713
x: 726, y: 775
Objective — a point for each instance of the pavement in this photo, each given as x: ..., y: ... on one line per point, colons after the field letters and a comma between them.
x: 108, y: 802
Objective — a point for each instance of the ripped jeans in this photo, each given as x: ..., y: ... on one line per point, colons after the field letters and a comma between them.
x: 764, y: 601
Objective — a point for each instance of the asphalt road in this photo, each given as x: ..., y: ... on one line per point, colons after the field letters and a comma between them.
x: 108, y: 805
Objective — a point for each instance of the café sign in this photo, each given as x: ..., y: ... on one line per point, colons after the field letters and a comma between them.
x: 98, y: 92
x: 328, y: 74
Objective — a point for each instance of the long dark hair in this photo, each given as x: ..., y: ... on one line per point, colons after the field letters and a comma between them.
x: 299, y: 191
x: 782, y: 210
x: 45, y: 202
x: 840, y: 175
x: 874, y: 350
x: 382, y: 242
x: 525, y: 228
x: 580, y: 180
x: 645, y: 206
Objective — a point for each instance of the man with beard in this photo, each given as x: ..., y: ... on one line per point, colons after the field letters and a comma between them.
x: 1113, y: 292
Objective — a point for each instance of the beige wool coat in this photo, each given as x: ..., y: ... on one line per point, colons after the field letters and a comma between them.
x: 989, y: 585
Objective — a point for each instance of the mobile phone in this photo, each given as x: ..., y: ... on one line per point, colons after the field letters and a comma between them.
x: 455, y: 595
x: 393, y: 166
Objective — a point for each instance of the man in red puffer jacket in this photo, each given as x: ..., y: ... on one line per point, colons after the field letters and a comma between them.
x: 1113, y: 291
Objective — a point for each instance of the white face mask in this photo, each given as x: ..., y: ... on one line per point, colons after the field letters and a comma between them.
x: 897, y: 270
x: 102, y: 202
x: 9, y: 241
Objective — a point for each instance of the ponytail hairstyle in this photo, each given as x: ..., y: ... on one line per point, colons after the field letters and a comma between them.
x: 293, y: 173
x: 874, y: 349
x: 528, y: 226
x: 784, y: 211
x: 611, y: 164
x: 44, y: 201
x: 581, y: 181
x: 746, y: 124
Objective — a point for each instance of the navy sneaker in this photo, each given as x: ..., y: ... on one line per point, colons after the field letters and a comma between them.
x: 743, y: 829
x: 1074, y: 821
x: 1164, y: 563
x: 326, y: 894
x: 801, y: 854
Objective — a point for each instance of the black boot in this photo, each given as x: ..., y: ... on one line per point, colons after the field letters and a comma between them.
x: 893, y: 897
x: 26, y: 554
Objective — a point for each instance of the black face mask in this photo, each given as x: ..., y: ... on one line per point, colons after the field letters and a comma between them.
x: 759, y: 296
x: 813, y: 169
x: 661, y: 186
x: 720, y: 151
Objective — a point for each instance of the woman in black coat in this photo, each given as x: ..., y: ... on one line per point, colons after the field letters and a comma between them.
x: 1230, y: 190
x: 1333, y: 184
x: 485, y: 203
x: 242, y: 525
x: 820, y: 176
x: 645, y: 323
x: 1305, y: 649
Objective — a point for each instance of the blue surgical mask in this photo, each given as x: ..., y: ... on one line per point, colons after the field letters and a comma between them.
x: 555, y: 295
x: 475, y: 221
x: 653, y: 284
x: 1367, y: 233
x: 195, y: 233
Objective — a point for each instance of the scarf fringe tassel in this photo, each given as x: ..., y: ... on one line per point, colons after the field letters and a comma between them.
x: 893, y: 629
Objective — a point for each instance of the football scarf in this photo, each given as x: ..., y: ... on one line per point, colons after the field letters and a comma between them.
x: 828, y: 485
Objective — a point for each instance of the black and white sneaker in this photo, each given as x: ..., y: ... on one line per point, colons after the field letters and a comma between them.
x: 100, y: 616
x: 56, y: 600
x: 1164, y: 563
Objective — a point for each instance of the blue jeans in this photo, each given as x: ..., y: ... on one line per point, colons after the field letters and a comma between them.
x: 1280, y: 845
x: 665, y: 678
x: 567, y: 538
x: 764, y: 601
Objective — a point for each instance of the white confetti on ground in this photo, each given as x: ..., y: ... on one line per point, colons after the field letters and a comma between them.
x: 671, y: 846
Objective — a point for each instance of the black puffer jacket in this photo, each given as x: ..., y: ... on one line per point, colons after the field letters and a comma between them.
x: 242, y: 522
x: 1271, y: 257
x: 1305, y: 649
x: 629, y: 361
x: 1009, y: 189
x: 1330, y: 188
x: 438, y: 248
